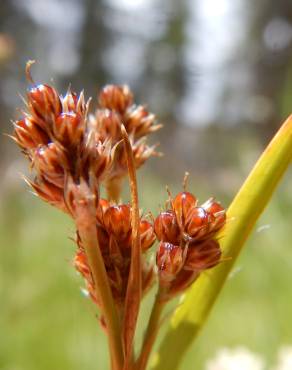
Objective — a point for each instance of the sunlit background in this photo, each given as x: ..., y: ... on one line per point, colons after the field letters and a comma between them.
x: 218, y: 74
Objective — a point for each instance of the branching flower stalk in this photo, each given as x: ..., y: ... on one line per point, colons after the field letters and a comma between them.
x: 73, y: 152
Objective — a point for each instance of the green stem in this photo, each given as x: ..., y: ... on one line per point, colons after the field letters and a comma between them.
x: 242, y: 215
x: 86, y: 226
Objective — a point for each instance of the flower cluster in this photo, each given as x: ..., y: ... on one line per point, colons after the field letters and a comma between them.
x: 187, y: 245
x: 116, y: 105
x: 73, y: 153
x: 64, y: 142
x: 66, y: 145
x: 115, y: 237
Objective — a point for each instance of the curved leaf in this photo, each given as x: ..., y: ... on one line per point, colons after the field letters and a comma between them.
x: 243, y: 213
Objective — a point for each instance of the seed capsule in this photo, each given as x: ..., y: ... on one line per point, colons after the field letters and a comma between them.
x: 182, y: 204
x: 197, y: 223
x: 117, y: 221
x: 147, y: 235
x: 108, y: 124
x: 49, y: 193
x: 182, y: 281
x: 169, y: 260
x: 166, y: 227
x: 217, y: 213
x: 50, y: 161
x: 69, y: 128
x: 203, y: 256
x: 139, y: 121
x: 69, y: 102
x: 117, y: 98
x: 28, y: 134
x: 44, y: 103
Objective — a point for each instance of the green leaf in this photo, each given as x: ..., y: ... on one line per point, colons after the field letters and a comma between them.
x: 242, y: 215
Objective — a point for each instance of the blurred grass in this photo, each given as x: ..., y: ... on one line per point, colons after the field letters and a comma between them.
x: 46, y: 323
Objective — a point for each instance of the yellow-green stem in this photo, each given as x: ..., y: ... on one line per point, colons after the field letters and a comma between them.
x: 86, y: 226
x: 242, y: 215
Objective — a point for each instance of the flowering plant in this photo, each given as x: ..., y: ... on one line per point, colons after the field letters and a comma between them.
x: 74, y: 152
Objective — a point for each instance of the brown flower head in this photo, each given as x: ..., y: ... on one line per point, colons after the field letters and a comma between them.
x: 187, y: 245
x: 114, y: 232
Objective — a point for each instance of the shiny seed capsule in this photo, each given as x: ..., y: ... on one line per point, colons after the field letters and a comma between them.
x: 166, y: 227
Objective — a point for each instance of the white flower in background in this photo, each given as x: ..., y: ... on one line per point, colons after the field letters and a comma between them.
x: 239, y: 358
x: 284, y: 359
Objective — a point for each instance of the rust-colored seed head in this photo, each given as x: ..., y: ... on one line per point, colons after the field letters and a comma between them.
x: 166, y: 227
x: 50, y: 162
x: 29, y: 134
x: 108, y: 124
x: 71, y: 102
x: 117, y: 220
x: 44, y: 103
x: 49, y: 192
x: 169, y: 260
x: 197, y: 223
x: 187, y: 247
x: 139, y: 121
x: 203, y: 256
x: 182, y: 281
x: 68, y: 128
x: 182, y: 204
x: 117, y: 98
x: 217, y: 214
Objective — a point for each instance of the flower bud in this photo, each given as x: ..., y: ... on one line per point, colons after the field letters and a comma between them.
x: 203, y: 256
x: 68, y: 128
x: 28, y: 134
x: 44, y: 103
x: 182, y: 204
x: 166, y: 228
x: 147, y: 235
x: 117, y: 221
x: 117, y: 98
x: 169, y: 260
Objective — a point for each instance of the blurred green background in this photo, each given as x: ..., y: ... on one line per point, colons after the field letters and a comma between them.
x: 219, y: 76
